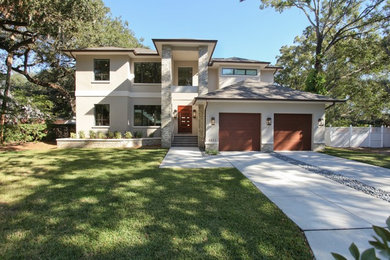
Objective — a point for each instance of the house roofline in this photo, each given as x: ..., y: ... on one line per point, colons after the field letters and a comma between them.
x: 273, y: 99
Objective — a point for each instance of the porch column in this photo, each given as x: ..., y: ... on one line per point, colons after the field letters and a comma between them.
x: 203, y: 88
x: 166, y: 99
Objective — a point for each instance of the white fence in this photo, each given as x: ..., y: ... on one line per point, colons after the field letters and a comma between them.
x: 374, y: 137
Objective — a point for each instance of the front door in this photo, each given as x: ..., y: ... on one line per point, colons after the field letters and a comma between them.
x: 185, y: 119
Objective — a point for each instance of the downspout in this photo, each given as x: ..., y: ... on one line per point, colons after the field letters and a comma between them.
x: 330, y: 106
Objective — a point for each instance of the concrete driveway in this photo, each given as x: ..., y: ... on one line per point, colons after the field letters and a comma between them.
x: 331, y: 215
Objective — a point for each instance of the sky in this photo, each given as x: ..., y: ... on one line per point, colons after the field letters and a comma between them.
x: 242, y: 29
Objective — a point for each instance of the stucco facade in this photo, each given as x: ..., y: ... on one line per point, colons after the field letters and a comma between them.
x: 123, y: 92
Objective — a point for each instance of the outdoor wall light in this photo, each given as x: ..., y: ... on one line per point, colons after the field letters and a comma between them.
x: 269, y: 121
x: 320, y: 122
x: 194, y: 113
x: 213, y: 121
x: 175, y: 113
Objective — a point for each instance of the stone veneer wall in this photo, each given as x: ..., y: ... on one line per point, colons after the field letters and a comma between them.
x: 108, y: 143
x: 166, y: 97
x: 203, y: 88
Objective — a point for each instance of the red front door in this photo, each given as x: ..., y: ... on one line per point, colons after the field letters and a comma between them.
x: 185, y: 119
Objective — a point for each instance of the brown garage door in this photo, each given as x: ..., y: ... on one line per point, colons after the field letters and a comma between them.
x: 292, y: 132
x: 239, y: 132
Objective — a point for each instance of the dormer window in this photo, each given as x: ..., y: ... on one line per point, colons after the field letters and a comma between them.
x: 239, y: 72
x: 101, y: 69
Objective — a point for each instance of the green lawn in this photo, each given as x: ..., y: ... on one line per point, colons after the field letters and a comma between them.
x: 361, y: 156
x: 112, y: 203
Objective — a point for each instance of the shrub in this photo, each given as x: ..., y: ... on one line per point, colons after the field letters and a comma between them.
x: 151, y: 135
x: 117, y: 135
x: 137, y: 134
x: 110, y: 134
x: 101, y: 135
x: 73, y: 135
x: 128, y: 135
x: 212, y: 152
x: 92, y: 134
x: 381, y: 245
x: 25, y: 132
x: 81, y: 135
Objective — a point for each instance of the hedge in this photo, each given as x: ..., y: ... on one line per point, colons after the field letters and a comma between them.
x: 25, y: 133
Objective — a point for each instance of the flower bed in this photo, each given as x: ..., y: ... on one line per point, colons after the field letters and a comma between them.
x: 108, y: 143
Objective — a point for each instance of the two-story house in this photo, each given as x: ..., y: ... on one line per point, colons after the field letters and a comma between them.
x: 179, y: 89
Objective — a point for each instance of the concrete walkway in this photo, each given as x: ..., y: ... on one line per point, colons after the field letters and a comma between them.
x: 372, y: 175
x: 331, y: 215
x: 191, y: 157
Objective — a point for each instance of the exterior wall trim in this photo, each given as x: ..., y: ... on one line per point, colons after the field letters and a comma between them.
x: 100, y: 93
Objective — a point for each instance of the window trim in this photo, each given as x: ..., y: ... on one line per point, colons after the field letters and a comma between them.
x: 94, y: 114
x: 235, y: 74
x: 192, y: 75
x: 94, y: 73
x: 146, y: 83
x: 145, y: 126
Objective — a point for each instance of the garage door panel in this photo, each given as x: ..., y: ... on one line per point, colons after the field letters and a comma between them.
x: 292, y: 132
x: 239, y: 132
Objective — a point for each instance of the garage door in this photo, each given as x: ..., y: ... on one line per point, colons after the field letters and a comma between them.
x: 292, y: 132
x: 239, y: 132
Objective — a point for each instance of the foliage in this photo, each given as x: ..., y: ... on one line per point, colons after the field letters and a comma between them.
x: 138, y: 134
x: 151, y: 134
x: 92, y: 134
x: 110, y: 134
x: 128, y: 135
x: 73, y: 135
x: 25, y: 132
x: 118, y: 204
x: 381, y: 243
x: 117, y: 135
x: 212, y: 152
x: 101, y: 135
x: 82, y: 135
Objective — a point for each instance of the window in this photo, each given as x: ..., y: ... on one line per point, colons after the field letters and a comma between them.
x: 147, y: 115
x: 247, y: 72
x: 101, y: 69
x: 185, y: 76
x: 102, y: 115
x: 147, y: 72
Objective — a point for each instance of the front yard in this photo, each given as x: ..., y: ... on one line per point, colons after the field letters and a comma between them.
x: 113, y: 203
x: 370, y: 156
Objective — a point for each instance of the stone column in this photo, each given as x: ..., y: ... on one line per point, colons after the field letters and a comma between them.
x: 203, y: 88
x: 166, y: 98
x: 203, y: 70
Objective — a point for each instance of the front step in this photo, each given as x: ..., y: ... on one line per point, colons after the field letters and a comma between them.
x: 185, y: 141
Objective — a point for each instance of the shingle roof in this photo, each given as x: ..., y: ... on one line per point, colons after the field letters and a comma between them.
x: 251, y: 90
x: 113, y: 49
x: 238, y: 60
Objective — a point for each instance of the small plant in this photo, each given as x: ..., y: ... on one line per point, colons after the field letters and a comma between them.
x: 110, y: 134
x: 381, y: 244
x: 128, y: 135
x: 151, y: 135
x: 73, y: 135
x: 101, y: 135
x: 212, y: 152
x: 81, y: 135
x: 137, y: 134
x: 92, y: 134
x: 117, y: 135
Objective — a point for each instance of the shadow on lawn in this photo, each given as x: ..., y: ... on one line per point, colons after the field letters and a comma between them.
x: 118, y: 204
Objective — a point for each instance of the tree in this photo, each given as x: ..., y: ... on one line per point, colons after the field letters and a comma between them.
x: 33, y: 33
x: 332, y: 21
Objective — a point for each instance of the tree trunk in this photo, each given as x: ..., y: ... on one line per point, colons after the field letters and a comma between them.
x: 318, y: 55
x: 9, y: 61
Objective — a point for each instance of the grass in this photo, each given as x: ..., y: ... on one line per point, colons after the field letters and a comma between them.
x: 361, y: 156
x: 113, y: 203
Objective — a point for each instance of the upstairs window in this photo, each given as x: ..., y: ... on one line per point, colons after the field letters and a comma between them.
x: 147, y: 115
x: 102, y: 115
x: 147, y: 72
x: 184, y: 76
x: 239, y: 72
x: 101, y: 69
